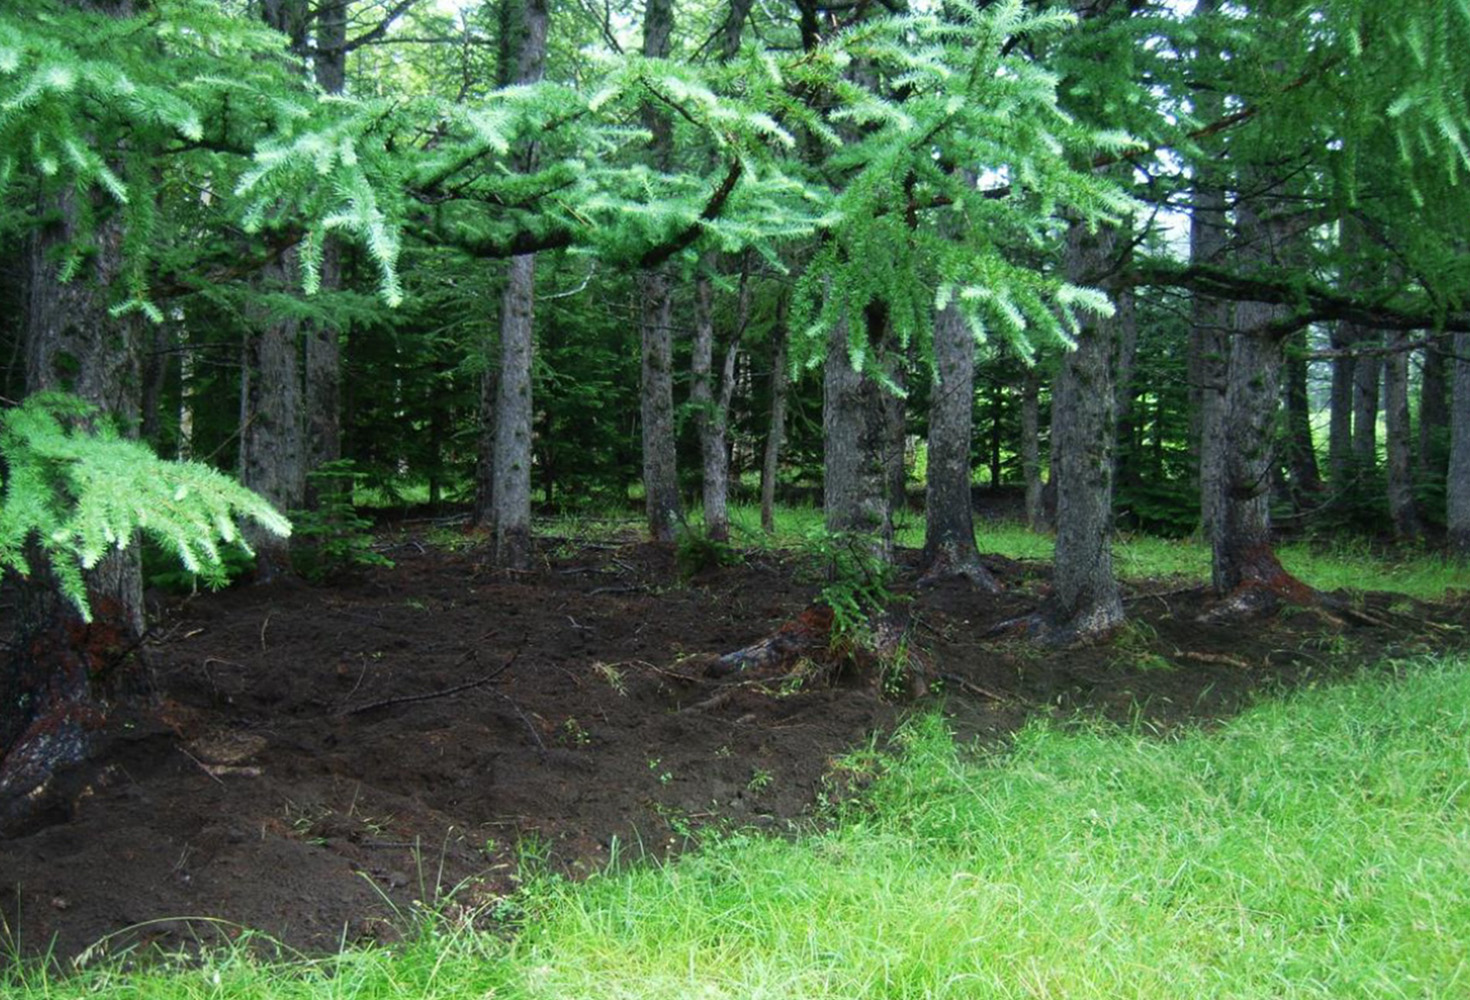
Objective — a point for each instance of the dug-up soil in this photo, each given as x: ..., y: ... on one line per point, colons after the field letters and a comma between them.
x: 321, y: 761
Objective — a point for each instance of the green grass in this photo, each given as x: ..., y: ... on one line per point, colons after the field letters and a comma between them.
x: 1318, y: 846
x: 1418, y: 575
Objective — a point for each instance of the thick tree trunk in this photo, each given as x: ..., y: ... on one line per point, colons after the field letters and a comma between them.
x: 949, y: 518
x: 776, y: 431
x: 1340, y: 414
x: 272, y: 432
x: 660, y: 473
x: 1244, y: 564
x: 511, y: 466
x: 523, y: 28
x: 1031, y: 449
x: 60, y: 674
x: 1457, y: 480
x: 1399, y: 435
x: 855, y: 489
x: 1086, y: 603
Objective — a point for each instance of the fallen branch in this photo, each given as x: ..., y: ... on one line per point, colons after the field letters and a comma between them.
x: 409, y: 699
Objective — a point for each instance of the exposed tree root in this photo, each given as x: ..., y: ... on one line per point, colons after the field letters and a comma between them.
x: 949, y: 563
x: 810, y: 639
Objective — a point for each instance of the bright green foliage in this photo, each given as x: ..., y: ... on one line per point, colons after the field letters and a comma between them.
x: 75, y: 491
x: 334, y: 539
x: 957, y: 169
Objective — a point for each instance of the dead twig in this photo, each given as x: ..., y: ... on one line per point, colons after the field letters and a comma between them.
x: 971, y: 688
x: 409, y: 699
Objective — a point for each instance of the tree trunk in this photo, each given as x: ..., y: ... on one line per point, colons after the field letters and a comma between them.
x: 322, y: 363
x: 949, y: 518
x: 1403, y: 512
x: 1300, y: 450
x: 1086, y: 603
x: 1434, y: 417
x: 712, y: 403
x: 511, y: 466
x: 484, y: 510
x: 1031, y: 448
x: 855, y: 492
x: 272, y: 433
x: 1365, y: 402
x: 60, y: 673
x: 1340, y: 417
x: 523, y: 28
x: 1457, y: 481
x: 660, y: 473
x: 771, y: 463
x: 1209, y: 333
x: 1244, y: 564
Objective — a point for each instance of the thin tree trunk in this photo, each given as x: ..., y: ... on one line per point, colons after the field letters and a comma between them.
x: 771, y: 462
x: 660, y: 473
x: 1031, y: 448
x: 1434, y: 417
x: 1403, y: 511
x: 1366, y: 374
x: 1086, y: 603
x: 523, y: 28
x: 1340, y: 416
x: 855, y: 494
x: 1301, y: 451
x: 949, y: 518
x: 712, y: 403
x: 655, y: 292
x: 511, y: 468
x: 1209, y: 334
x: 322, y: 362
x: 1457, y: 480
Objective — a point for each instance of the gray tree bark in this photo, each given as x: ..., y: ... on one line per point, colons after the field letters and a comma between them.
x: 855, y: 492
x: 655, y: 292
x: 1209, y: 333
x: 272, y: 458
x: 1244, y: 563
x: 1031, y: 449
x: 660, y: 472
x: 1457, y: 480
x: 1366, y: 373
x: 1399, y: 436
x: 1086, y: 603
x: 510, y: 490
x: 776, y: 431
x: 711, y: 401
x: 1301, y: 451
x: 1434, y: 416
x: 949, y: 516
x: 1340, y: 415
x: 523, y: 30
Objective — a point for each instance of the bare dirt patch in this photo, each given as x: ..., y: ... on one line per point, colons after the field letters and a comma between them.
x: 318, y: 759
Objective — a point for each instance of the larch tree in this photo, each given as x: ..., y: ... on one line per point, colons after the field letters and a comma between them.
x: 523, y: 27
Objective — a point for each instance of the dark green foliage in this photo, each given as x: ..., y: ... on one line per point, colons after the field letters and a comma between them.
x: 333, y: 539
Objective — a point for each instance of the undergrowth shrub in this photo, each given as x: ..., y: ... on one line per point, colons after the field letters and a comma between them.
x: 333, y: 539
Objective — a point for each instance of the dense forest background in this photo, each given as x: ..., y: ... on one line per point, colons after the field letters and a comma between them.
x: 1177, y: 267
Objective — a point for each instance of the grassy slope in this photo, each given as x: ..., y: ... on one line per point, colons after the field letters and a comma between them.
x: 1316, y: 847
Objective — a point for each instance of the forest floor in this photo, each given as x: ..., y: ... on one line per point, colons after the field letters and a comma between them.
x: 322, y: 761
